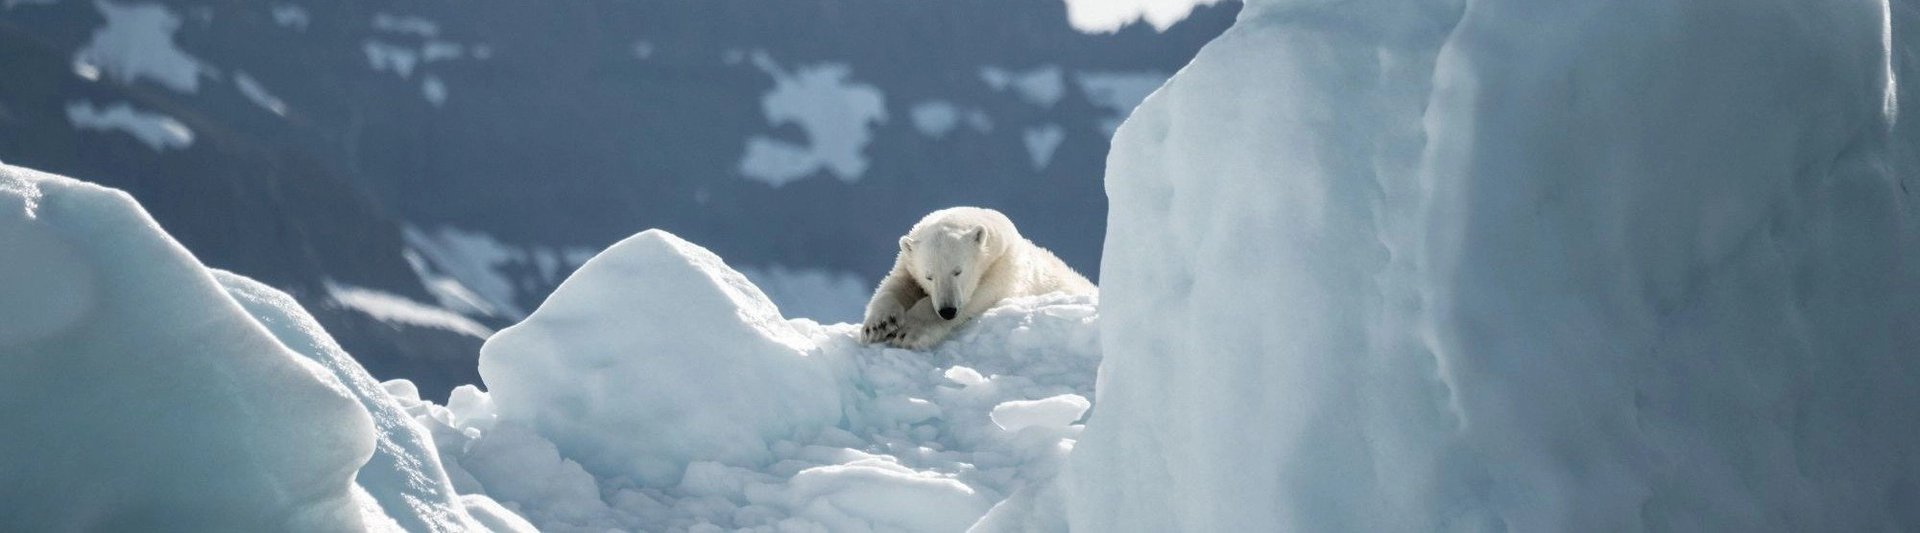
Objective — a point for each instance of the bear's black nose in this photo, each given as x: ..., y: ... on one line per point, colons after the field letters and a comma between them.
x: 946, y: 313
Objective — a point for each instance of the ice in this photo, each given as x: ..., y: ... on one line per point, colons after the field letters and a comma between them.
x: 153, y: 393
x: 157, y: 131
x: 1053, y: 412
x: 659, y: 390
x: 1530, y: 265
x: 404, y: 476
x: 136, y: 43
x: 138, y: 395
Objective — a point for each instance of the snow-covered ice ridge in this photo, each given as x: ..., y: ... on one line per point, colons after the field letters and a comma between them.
x: 656, y: 390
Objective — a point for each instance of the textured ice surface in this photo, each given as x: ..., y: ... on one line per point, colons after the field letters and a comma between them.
x: 138, y: 395
x: 1526, y: 265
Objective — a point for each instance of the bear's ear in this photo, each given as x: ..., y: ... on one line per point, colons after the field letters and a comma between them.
x: 978, y: 235
x: 906, y: 244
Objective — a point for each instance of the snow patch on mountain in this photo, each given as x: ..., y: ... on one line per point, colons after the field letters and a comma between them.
x: 258, y: 94
x: 836, y: 115
x: 291, y: 16
x: 934, y: 118
x: 434, y: 90
x: 820, y: 295
x: 157, y: 131
x: 1118, y: 93
x: 1042, y: 86
x: 476, y: 274
x: 395, y: 309
x: 405, y: 25
x: 1041, y: 141
x: 138, y: 42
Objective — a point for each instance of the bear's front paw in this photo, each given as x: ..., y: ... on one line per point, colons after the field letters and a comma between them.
x: 917, y: 338
x: 881, y: 327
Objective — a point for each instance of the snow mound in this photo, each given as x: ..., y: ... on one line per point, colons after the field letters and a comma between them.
x: 1530, y: 265
x: 724, y: 370
x: 657, y: 389
x: 137, y: 395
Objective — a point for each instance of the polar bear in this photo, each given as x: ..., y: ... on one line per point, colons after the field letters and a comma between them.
x: 953, y: 265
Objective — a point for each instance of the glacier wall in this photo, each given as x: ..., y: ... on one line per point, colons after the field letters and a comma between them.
x: 1515, y: 264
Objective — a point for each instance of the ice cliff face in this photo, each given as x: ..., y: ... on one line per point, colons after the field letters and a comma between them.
x: 1515, y: 265
x: 147, y: 392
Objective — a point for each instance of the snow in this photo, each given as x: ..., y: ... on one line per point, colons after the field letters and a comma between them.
x: 836, y: 114
x: 1118, y: 92
x: 258, y: 94
x: 291, y: 16
x: 1057, y: 411
x: 935, y: 118
x: 1529, y: 265
x: 405, y: 25
x: 395, y: 309
x: 139, y: 395
x: 137, y: 43
x: 157, y: 131
x: 1108, y: 16
x: 476, y: 274
x: 434, y: 90
x: 1042, y: 86
x: 383, y: 56
x: 697, y: 407
x: 1041, y: 141
x: 817, y: 294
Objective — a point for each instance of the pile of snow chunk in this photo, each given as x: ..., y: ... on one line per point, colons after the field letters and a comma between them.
x: 1534, y: 265
x: 657, y: 390
x: 142, y: 390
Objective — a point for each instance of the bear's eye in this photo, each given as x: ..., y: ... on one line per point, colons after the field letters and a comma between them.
x: 956, y: 273
x: 929, y: 278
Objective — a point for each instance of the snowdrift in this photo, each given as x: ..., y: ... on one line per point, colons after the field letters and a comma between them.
x: 658, y: 390
x: 144, y: 392
x: 1529, y: 265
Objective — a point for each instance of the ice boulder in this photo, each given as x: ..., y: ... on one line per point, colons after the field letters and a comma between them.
x: 655, y: 354
x: 404, y: 476
x: 1534, y: 265
x: 136, y: 395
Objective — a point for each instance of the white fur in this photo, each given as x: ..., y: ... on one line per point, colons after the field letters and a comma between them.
x: 967, y: 258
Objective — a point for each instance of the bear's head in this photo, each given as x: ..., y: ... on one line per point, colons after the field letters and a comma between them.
x: 948, y: 261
